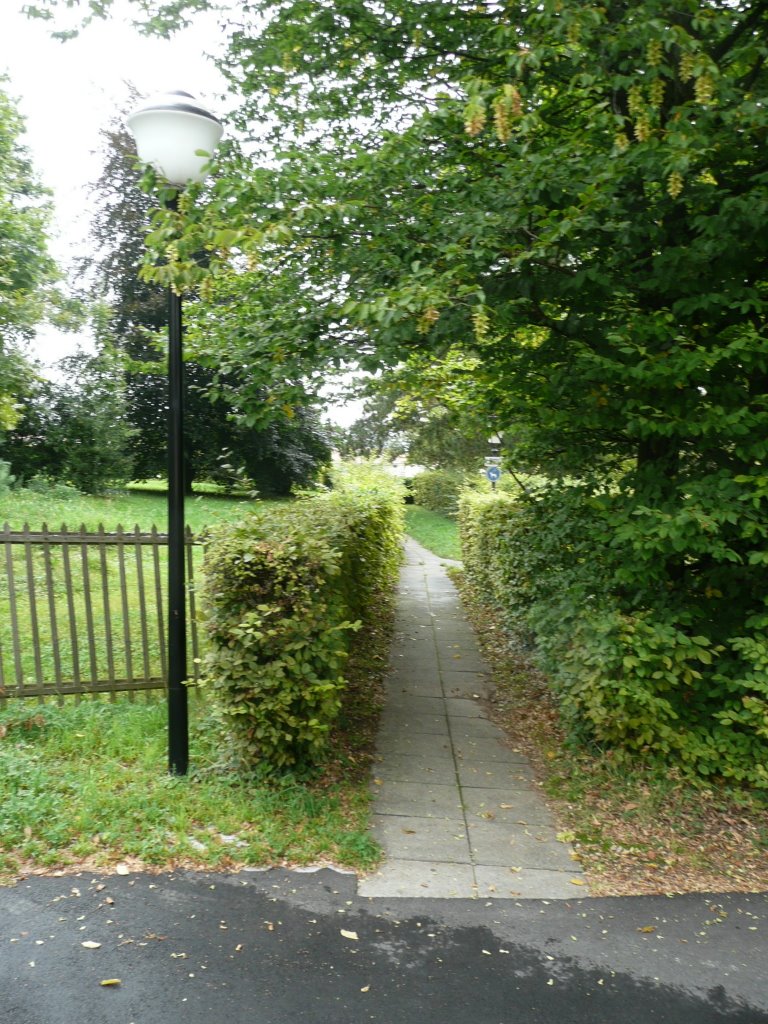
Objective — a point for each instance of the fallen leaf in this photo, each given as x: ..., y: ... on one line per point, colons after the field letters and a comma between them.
x: 90, y: 945
x: 349, y: 935
x: 110, y: 982
x: 366, y: 988
x: 648, y: 929
x: 578, y: 881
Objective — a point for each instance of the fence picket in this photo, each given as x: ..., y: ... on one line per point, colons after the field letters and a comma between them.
x: 73, y: 637
x: 13, y: 613
x: 89, y: 625
x: 33, y: 617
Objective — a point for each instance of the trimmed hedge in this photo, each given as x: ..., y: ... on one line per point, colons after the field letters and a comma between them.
x: 285, y: 592
x: 635, y: 669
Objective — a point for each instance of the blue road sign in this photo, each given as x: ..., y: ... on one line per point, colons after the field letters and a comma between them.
x: 493, y: 473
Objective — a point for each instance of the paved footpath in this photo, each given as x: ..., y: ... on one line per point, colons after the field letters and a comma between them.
x: 455, y: 807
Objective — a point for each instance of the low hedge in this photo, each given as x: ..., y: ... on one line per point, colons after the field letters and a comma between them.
x: 285, y: 592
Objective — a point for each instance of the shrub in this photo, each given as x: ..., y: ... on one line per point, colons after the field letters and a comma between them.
x: 7, y: 479
x: 640, y: 668
x: 49, y: 488
x: 438, y: 490
x: 286, y: 590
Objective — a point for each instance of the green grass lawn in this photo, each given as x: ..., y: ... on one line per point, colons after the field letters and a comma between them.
x: 435, y: 532
x: 124, y: 508
x: 89, y: 782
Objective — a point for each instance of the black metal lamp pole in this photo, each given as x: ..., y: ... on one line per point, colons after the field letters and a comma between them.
x: 178, y: 728
x: 176, y: 134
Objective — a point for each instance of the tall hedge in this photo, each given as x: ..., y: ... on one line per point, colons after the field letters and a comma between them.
x: 285, y: 592
x: 635, y: 669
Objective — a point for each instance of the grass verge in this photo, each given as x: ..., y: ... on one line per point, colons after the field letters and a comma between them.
x: 435, y: 532
x: 86, y: 785
x: 637, y: 829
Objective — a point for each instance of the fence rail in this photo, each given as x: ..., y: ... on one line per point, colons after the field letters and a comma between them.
x: 84, y: 612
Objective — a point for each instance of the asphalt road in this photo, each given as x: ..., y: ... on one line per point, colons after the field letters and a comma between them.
x: 278, y: 947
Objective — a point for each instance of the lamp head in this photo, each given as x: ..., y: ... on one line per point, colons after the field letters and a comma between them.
x: 171, y: 129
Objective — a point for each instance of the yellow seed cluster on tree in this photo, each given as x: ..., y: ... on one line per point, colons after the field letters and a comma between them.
x: 656, y: 92
x: 635, y: 101
x: 621, y: 141
x: 643, y: 130
x: 427, y: 319
x: 506, y: 107
x: 654, y: 51
x: 573, y: 33
x: 686, y: 66
x: 474, y: 117
x: 707, y: 178
x: 675, y: 184
x: 704, y: 88
x: 481, y: 323
x: 206, y: 289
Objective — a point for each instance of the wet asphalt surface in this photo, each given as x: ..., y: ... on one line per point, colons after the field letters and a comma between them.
x: 276, y: 947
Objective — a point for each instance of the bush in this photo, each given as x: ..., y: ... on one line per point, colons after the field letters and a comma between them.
x: 49, y: 488
x: 7, y: 479
x: 639, y: 669
x: 286, y: 591
x: 439, y: 490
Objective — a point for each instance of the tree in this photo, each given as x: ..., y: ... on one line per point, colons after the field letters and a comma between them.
x: 26, y: 269
x: 216, y: 445
x: 577, y: 195
x: 75, y: 430
x: 25, y: 266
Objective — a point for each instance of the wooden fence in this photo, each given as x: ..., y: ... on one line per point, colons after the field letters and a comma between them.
x: 84, y: 613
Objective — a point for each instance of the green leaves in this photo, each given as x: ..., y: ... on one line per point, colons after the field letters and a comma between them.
x: 285, y: 592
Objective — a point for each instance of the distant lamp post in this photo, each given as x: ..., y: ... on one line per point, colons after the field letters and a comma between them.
x: 176, y: 134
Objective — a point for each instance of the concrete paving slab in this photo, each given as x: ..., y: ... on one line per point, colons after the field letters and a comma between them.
x: 440, y: 840
x: 418, y: 686
x: 527, y: 884
x: 408, y: 878
x: 513, y: 807
x: 533, y: 846
x: 476, y: 728
x: 492, y: 748
x: 415, y: 704
x: 463, y: 707
x: 403, y: 723
x: 457, y: 683
x: 510, y: 777
x: 415, y: 768
x: 415, y: 745
x: 418, y: 799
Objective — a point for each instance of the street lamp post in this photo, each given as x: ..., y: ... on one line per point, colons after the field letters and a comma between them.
x: 176, y: 135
